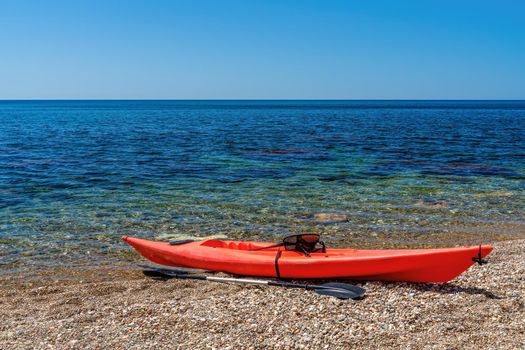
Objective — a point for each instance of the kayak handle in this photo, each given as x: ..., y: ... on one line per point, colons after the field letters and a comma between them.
x: 478, y: 259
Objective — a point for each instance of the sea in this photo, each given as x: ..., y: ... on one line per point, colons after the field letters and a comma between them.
x: 75, y: 176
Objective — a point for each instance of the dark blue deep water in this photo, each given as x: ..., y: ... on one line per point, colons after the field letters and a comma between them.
x: 76, y: 175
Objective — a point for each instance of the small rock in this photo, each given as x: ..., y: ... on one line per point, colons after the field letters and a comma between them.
x: 330, y: 217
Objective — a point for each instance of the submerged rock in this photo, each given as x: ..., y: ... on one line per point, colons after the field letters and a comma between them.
x: 330, y: 217
x: 495, y: 194
x: 434, y: 204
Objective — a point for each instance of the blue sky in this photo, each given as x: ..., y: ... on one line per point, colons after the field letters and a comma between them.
x: 262, y: 49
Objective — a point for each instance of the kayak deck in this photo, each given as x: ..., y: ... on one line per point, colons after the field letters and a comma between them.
x: 235, y: 257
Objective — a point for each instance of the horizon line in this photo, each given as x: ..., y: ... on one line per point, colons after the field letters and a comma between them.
x: 253, y: 99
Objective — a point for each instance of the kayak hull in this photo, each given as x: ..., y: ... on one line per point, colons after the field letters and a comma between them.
x: 409, y: 265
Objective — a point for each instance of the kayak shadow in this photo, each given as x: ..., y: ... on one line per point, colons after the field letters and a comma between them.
x: 449, y: 288
x: 442, y: 288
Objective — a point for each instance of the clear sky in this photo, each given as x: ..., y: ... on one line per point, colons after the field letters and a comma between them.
x: 250, y: 49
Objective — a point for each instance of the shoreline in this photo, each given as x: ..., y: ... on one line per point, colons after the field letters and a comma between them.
x: 121, y: 256
x: 122, y: 308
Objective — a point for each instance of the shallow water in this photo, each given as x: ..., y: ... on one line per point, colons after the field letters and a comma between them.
x: 76, y: 175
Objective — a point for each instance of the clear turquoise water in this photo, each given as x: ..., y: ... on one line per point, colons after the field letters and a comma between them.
x: 76, y: 175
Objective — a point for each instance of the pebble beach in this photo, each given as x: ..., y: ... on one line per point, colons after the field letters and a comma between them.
x: 121, y: 308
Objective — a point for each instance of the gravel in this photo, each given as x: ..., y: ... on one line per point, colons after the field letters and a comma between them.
x: 123, y: 309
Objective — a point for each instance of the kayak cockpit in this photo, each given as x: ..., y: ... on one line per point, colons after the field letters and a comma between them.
x: 214, y: 243
x: 258, y: 247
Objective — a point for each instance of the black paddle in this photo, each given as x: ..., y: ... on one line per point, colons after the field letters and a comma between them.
x: 183, y: 270
x: 334, y: 289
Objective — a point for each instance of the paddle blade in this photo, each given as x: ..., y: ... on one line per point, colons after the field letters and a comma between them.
x: 156, y: 275
x: 172, y: 270
x: 340, y: 290
x: 164, y: 271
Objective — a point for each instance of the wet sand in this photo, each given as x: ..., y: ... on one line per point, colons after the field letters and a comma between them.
x: 123, y: 309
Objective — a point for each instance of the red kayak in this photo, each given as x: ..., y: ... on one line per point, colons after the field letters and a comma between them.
x: 254, y: 259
